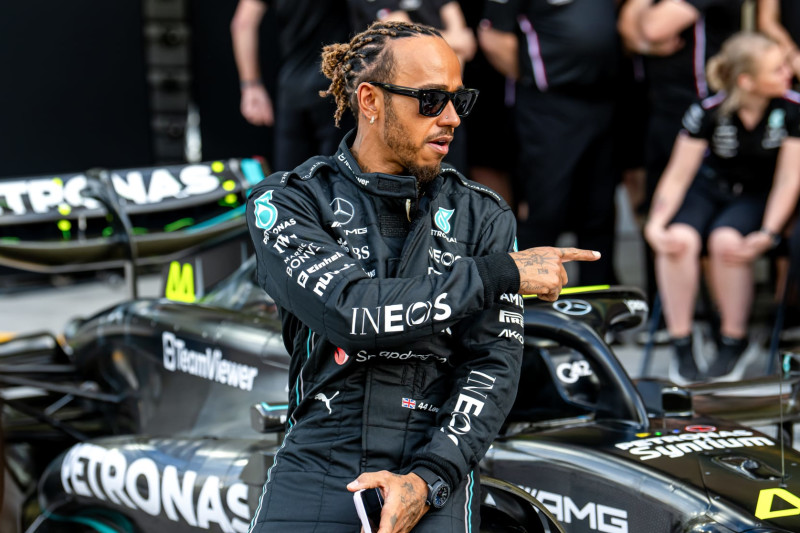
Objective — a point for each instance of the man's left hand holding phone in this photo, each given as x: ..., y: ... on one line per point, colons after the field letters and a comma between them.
x: 402, y: 508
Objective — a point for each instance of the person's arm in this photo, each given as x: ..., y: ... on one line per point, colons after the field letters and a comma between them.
x: 303, y: 267
x: 256, y: 106
x: 456, y: 32
x: 500, y: 48
x: 684, y: 162
x: 497, y: 37
x: 769, y: 23
x: 781, y: 203
x: 644, y: 34
x: 489, y: 347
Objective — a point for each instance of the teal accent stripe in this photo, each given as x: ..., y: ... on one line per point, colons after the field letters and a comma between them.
x: 224, y: 217
x: 269, y: 477
x: 268, y: 407
x: 291, y: 425
x: 470, y: 488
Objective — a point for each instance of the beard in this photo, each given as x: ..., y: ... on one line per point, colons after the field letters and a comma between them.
x: 396, y: 137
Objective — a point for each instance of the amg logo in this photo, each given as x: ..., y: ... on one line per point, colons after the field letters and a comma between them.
x: 601, y: 517
x: 396, y: 317
x: 515, y: 299
x: 357, y: 231
x: 511, y: 334
x: 207, y: 365
x: 509, y: 317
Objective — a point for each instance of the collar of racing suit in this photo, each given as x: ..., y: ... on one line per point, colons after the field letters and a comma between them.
x: 375, y: 182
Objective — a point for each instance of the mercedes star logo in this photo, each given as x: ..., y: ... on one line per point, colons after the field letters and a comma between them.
x: 573, y: 307
x: 343, y: 211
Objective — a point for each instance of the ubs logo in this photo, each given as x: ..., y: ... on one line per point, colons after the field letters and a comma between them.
x: 573, y: 307
x: 343, y: 211
x: 442, y: 219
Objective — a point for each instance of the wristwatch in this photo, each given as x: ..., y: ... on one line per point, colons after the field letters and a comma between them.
x: 775, y: 237
x: 438, y: 489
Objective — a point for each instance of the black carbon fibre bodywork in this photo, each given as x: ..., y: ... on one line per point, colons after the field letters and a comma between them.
x: 138, y: 419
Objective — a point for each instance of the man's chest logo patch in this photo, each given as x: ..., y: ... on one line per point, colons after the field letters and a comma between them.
x: 442, y: 219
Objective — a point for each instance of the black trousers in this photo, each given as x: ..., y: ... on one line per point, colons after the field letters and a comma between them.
x: 568, y: 175
x: 314, y: 502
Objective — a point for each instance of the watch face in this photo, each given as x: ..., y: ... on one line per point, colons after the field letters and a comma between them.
x: 440, y: 496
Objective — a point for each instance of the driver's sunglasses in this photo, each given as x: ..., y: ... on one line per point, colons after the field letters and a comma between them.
x: 433, y: 101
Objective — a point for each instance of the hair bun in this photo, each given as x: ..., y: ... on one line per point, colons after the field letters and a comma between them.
x: 333, y: 58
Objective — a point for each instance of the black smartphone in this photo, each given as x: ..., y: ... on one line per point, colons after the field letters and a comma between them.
x: 369, y: 503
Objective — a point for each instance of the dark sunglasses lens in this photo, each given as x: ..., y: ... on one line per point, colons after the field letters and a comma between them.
x: 432, y: 102
x: 463, y: 102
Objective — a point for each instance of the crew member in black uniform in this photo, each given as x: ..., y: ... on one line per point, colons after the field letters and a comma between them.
x: 302, y: 120
x: 397, y: 286
x: 734, y: 206
x: 676, y: 38
x: 693, y: 30
x: 566, y: 55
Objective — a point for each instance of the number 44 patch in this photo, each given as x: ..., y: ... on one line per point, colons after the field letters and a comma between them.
x: 765, y: 503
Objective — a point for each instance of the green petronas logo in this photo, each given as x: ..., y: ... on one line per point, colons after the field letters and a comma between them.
x: 442, y: 219
x: 266, y: 213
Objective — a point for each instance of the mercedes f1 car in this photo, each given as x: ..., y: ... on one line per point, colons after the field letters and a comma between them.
x: 156, y: 415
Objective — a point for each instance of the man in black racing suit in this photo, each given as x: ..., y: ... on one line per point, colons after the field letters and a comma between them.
x: 398, y: 295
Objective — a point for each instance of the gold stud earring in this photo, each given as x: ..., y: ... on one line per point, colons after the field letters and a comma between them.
x: 372, y: 119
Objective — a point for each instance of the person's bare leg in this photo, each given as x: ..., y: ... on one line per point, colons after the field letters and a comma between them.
x: 732, y: 283
x: 678, y: 278
x: 734, y: 291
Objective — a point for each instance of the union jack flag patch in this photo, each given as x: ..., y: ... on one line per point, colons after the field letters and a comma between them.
x: 409, y: 403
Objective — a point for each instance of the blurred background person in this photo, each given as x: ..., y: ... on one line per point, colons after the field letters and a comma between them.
x: 780, y: 19
x: 718, y: 193
x: 302, y: 120
x: 675, y: 38
x: 564, y: 56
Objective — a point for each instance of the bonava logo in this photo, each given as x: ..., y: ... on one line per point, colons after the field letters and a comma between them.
x: 442, y: 219
x: 266, y: 214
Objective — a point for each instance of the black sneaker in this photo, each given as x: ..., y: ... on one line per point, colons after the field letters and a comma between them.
x: 687, y: 367
x: 728, y: 353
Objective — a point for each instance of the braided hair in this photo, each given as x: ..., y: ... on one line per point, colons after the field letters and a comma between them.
x: 365, y: 57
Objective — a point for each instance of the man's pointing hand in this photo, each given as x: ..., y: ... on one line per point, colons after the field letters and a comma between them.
x: 541, y: 269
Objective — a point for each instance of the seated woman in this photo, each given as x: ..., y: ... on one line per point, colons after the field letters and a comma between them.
x: 731, y: 183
